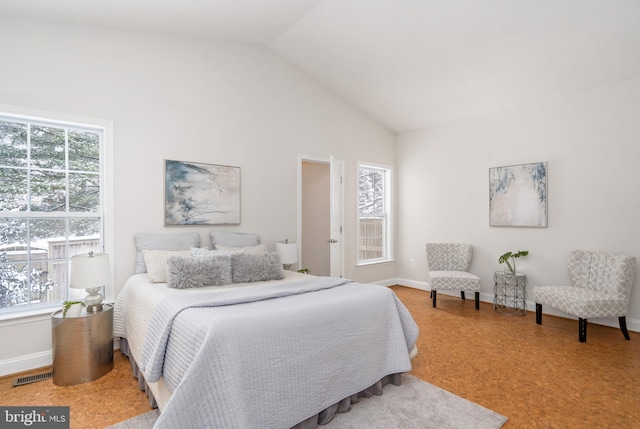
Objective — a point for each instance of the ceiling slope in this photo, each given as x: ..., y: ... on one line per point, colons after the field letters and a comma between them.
x: 248, y: 21
x: 408, y: 64
x: 413, y: 63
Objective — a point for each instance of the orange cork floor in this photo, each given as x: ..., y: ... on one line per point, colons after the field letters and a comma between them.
x: 536, y: 376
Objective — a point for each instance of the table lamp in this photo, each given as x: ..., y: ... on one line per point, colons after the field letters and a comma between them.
x: 90, y: 271
x: 288, y: 253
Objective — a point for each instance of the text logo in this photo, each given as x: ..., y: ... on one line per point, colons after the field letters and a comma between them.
x: 34, y: 417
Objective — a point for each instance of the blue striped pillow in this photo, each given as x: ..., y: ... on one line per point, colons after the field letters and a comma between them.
x: 151, y: 241
x: 234, y: 239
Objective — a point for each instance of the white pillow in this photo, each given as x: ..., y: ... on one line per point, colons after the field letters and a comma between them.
x: 156, y: 262
x: 249, y: 250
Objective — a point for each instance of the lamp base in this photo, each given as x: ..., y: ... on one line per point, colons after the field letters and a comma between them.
x: 94, y: 308
x: 93, y: 300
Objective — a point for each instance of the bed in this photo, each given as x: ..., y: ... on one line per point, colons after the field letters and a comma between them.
x: 281, y: 353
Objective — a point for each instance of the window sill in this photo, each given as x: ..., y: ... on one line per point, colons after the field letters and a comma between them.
x: 369, y: 264
x: 27, y: 316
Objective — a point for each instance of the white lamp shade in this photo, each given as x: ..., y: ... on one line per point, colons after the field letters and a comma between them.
x: 89, y: 271
x: 287, y: 251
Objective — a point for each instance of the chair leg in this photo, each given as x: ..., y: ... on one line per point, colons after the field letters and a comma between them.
x: 582, y: 330
x: 538, y: 314
x: 477, y: 300
x: 434, y: 293
x: 431, y: 294
x: 623, y: 327
x: 462, y: 294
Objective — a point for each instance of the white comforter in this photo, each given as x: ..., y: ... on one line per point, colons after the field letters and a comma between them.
x: 267, y: 363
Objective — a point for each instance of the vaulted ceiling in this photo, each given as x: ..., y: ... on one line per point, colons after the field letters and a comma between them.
x: 408, y: 64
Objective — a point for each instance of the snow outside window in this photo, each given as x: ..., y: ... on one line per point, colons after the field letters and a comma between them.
x: 51, y: 208
x: 374, y: 204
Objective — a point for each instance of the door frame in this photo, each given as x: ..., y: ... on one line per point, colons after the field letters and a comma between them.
x: 336, y: 250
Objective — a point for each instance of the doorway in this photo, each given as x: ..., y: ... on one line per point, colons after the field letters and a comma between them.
x: 320, y: 215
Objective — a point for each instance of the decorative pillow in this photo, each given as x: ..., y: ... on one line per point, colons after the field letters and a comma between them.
x: 233, y: 239
x: 249, y: 250
x: 150, y: 241
x: 256, y: 268
x: 156, y: 262
x: 200, y: 271
x: 203, y: 251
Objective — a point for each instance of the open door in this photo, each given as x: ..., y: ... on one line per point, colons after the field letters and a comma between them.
x: 320, y: 215
x: 337, y: 217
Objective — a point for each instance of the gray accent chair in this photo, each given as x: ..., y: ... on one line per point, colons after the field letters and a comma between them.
x: 449, y: 265
x: 601, y: 287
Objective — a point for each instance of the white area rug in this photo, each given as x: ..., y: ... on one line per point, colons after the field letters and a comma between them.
x: 413, y: 405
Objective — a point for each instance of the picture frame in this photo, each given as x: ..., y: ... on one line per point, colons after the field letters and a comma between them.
x: 518, y: 195
x: 201, y: 194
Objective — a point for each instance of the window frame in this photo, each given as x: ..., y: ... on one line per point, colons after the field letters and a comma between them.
x: 387, y: 233
x: 22, y: 114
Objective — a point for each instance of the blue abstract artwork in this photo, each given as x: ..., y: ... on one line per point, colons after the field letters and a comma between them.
x: 201, y: 194
x: 518, y: 195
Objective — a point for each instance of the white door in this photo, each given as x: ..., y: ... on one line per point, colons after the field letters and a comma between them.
x: 337, y: 217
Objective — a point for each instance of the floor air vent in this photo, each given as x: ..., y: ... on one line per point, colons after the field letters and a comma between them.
x: 32, y: 379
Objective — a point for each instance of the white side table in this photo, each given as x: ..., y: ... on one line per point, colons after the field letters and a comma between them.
x: 510, y: 293
x: 82, y: 346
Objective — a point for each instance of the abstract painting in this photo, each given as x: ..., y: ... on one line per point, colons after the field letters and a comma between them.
x: 518, y: 195
x: 201, y: 194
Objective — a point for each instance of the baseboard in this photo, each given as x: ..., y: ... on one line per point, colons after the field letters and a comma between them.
x: 413, y: 284
x: 389, y: 282
x: 25, y: 363
x: 632, y: 324
x: 33, y: 361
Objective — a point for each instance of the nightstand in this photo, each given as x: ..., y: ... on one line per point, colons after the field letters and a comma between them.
x: 82, y: 346
x: 510, y: 293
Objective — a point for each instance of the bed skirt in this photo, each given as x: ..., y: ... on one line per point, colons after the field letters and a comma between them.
x: 326, y: 415
x: 322, y: 418
x: 142, y: 383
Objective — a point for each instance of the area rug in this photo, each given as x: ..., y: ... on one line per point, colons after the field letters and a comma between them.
x: 413, y: 405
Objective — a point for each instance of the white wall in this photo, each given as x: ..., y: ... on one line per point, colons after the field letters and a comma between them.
x: 191, y: 100
x: 591, y: 141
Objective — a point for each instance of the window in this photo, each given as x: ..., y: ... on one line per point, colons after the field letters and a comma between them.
x: 51, y: 207
x: 374, y: 219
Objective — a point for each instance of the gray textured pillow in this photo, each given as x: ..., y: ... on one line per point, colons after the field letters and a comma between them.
x: 151, y: 241
x: 256, y: 268
x: 198, y: 271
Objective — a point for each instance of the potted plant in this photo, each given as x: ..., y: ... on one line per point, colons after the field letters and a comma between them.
x: 72, y: 308
x: 509, y: 259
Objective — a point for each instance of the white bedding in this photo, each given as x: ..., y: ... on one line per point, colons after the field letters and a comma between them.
x: 338, y: 340
x: 139, y: 297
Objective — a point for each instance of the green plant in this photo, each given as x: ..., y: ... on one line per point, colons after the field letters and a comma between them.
x: 67, y: 304
x: 509, y: 258
x: 304, y: 271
